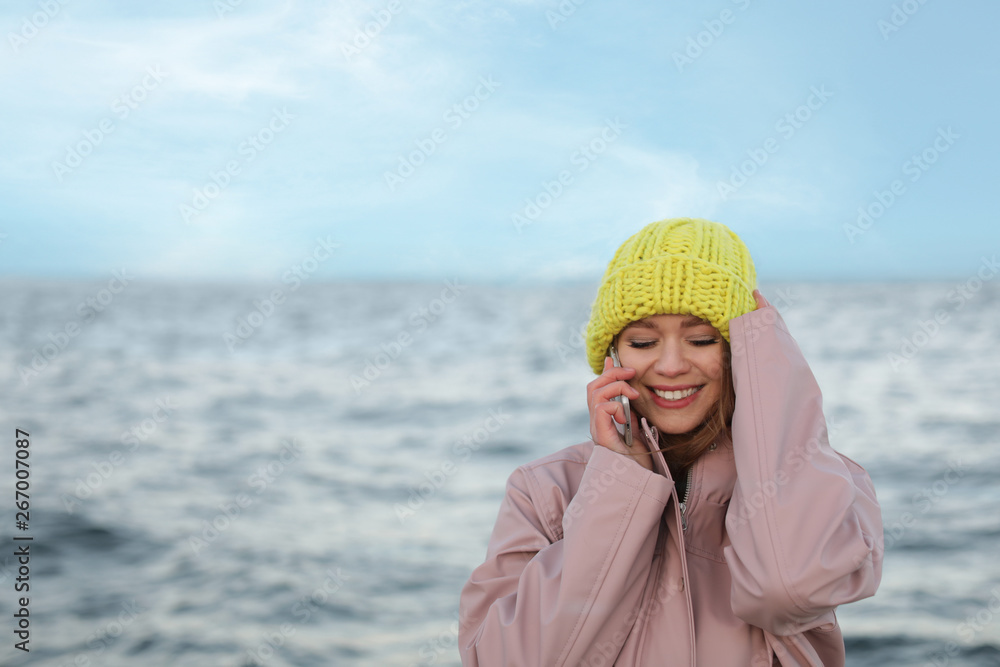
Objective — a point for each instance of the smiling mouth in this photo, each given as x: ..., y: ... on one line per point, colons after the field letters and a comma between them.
x: 676, y: 395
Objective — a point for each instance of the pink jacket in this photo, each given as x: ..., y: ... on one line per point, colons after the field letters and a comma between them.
x: 595, y: 561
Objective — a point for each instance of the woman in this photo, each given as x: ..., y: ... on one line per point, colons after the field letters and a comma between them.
x: 729, y: 531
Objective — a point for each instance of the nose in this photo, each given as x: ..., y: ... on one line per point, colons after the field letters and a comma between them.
x: 672, y: 360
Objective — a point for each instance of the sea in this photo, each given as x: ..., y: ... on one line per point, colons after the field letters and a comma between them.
x: 236, y: 474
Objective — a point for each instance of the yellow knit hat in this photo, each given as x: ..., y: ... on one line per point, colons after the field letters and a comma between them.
x: 685, y: 266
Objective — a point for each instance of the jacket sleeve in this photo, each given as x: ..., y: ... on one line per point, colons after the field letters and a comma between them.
x: 804, y: 524
x: 549, y: 599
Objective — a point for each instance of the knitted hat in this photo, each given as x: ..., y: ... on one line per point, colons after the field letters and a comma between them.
x: 685, y: 266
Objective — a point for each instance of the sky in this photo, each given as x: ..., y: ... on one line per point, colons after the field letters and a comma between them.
x: 502, y: 141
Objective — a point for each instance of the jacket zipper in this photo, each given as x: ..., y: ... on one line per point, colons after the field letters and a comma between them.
x: 687, y: 494
x: 682, y: 509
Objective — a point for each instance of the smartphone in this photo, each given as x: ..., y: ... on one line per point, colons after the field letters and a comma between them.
x: 624, y: 401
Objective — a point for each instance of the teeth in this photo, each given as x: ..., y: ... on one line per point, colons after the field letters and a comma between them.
x: 676, y: 395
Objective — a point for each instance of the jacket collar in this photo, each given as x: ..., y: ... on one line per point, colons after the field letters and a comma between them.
x: 713, y: 475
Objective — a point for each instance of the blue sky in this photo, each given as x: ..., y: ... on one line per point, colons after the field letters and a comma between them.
x: 643, y: 109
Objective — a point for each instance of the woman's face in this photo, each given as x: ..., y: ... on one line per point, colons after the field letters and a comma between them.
x: 679, y: 369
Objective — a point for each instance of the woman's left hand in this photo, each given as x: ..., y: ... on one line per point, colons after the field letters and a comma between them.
x: 761, y: 301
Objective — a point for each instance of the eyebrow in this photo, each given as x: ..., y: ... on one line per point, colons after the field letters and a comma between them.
x: 690, y: 321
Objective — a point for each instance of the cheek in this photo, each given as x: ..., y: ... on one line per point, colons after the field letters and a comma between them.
x: 632, y: 358
x: 711, y: 366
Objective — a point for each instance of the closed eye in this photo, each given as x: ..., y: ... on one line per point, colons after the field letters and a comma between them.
x: 644, y: 344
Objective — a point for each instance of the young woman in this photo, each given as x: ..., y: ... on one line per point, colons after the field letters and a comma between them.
x: 726, y: 534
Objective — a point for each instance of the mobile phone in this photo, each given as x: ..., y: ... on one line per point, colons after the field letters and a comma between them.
x: 624, y: 401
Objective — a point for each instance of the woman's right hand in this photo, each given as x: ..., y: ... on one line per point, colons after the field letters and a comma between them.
x: 604, y: 412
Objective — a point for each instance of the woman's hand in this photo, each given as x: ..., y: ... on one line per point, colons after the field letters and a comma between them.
x: 761, y: 301
x: 604, y: 412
